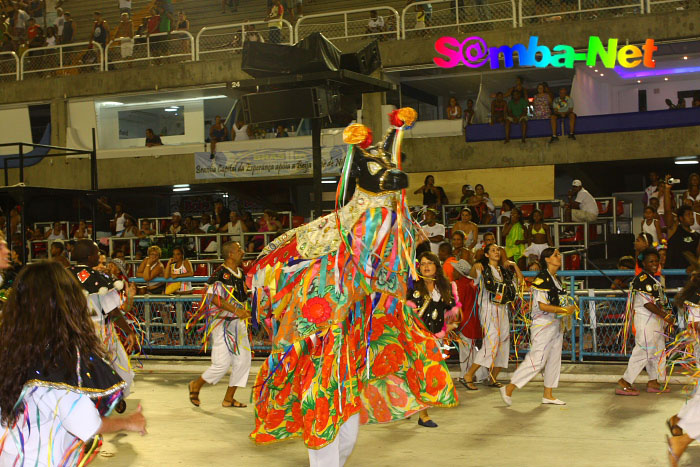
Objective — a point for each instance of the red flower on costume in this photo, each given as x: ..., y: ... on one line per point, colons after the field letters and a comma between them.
x: 274, y: 419
x: 322, y: 413
x: 317, y: 310
x: 397, y: 396
x: 282, y: 396
x: 435, y: 380
x: 388, y: 361
x: 376, y: 401
x: 433, y: 351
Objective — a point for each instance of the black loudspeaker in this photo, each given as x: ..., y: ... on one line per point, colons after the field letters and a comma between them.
x: 322, y: 54
x: 313, y: 102
x: 262, y: 60
x: 364, y: 61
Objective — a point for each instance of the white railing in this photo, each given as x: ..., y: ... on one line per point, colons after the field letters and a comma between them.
x: 229, y: 38
x: 660, y: 6
x: 9, y: 66
x: 478, y: 16
x: 531, y: 11
x: 62, y: 59
x: 163, y: 47
x: 350, y: 24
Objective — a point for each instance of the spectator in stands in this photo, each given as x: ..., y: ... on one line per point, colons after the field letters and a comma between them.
x: 514, y: 233
x: 55, y: 233
x: 183, y: 24
x: 83, y: 231
x: 421, y: 19
x: 217, y: 133
x: 375, y: 24
x: 59, y: 22
x: 20, y: 19
x: 454, y: 111
x: 459, y: 249
x: 33, y: 30
x: 467, y: 193
x: 683, y: 243
x: 516, y: 112
x: 506, y: 207
x: 176, y: 268
x: 167, y: 17
x: 125, y: 31
x: 150, y: 268
x: 582, y: 206
x: 248, y: 220
x: 434, y: 231
x: 38, y: 39
x: 119, y: 219
x: 433, y: 196
x: 485, y: 209
x: 241, y: 131
x: 274, y: 22
x: 469, y: 228
x: 130, y: 229
x: 70, y: 28
x: 623, y: 283
x: 269, y: 222
x: 538, y: 236
x: 693, y: 191
x: 100, y: 31
x: 176, y: 226
x: 281, y: 132
x: 221, y: 213
x: 468, y: 117
x: 518, y: 87
x: 152, y: 139
x: 205, y: 224
x: 542, y: 103
x: 57, y: 255
x: 498, y: 109
x: 652, y: 190
x: 125, y: 7
x: 51, y: 38
x: 235, y: 227
x: 563, y: 107
x: 651, y: 225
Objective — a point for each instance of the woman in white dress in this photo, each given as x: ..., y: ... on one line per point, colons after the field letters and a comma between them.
x: 498, y: 287
x: 56, y: 391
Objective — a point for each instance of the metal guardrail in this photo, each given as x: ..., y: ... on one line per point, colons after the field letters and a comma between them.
x: 531, y: 11
x: 161, y: 48
x: 350, y: 24
x: 9, y: 66
x: 229, y: 38
x: 62, y: 59
x: 477, y: 16
x: 661, y: 6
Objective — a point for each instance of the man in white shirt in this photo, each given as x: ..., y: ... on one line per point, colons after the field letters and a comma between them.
x: 60, y: 20
x: 375, y: 23
x: 434, y: 231
x: 582, y: 207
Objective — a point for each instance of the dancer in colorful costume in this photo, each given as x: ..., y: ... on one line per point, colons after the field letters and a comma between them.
x: 346, y: 350
x: 435, y: 300
x: 685, y: 426
x: 56, y: 391
x: 104, y: 301
x: 225, y: 311
x: 647, y: 301
x: 498, y: 289
x: 548, y: 309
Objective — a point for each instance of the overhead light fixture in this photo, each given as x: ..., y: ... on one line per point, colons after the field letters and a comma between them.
x: 665, y: 79
x: 686, y: 161
x: 183, y: 187
x: 329, y: 180
x: 602, y: 74
x: 596, y: 70
x: 112, y: 104
x: 639, y: 80
x: 163, y: 102
x: 170, y: 110
x: 628, y: 74
x: 685, y: 57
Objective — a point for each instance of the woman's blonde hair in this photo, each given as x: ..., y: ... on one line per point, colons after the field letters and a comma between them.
x: 155, y: 248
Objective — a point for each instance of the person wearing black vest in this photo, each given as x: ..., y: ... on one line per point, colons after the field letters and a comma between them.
x: 434, y: 299
x: 647, y: 300
x: 547, y: 307
x: 497, y: 289
x: 683, y: 243
x: 230, y: 347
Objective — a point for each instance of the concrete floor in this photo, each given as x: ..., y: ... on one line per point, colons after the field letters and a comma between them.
x: 596, y: 428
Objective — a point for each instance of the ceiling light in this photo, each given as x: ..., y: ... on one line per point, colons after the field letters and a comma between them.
x: 686, y: 162
x: 171, y: 110
x: 329, y: 180
x: 639, y: 80
x: 112, y: 104
x: 181, y: 189
x: 186, y: 185
x: 665, y: 79
x: 596, y: 70
x: 602, y: 74
x: 685, y: 57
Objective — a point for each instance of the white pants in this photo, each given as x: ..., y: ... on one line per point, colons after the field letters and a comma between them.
x: 546, y: 340
x: 337, y: 453
x: 222, y: 359
x: 648, y: 350
x: 496, y: 342
x: 690, y: 417
x: 119, y: 361
x: 467, y: 354
x: 578, y: 215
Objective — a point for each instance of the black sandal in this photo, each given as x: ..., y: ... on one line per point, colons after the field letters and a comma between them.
x: 495, y: 384
x: 468, y: 384
x: 234, y: 404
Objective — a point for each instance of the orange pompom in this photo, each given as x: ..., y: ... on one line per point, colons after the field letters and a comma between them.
x: 356, y: 134
x: 407, y: 115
